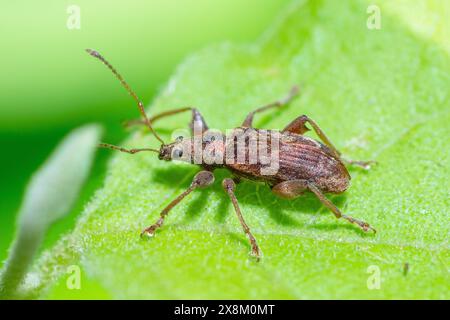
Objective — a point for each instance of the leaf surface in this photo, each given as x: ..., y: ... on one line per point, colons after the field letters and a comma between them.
x: 378, y: 94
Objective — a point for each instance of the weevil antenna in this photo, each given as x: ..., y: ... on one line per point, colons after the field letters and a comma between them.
x: 97, y: 55
x: 131, y: 151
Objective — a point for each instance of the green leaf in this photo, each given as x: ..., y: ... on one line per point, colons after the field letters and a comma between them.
x: 49, y: 196
x: 378, y: 94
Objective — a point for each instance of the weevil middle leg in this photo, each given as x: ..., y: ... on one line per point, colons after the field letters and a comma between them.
x: 229, y: 186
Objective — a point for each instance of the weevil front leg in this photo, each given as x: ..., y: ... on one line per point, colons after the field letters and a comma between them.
x: 294, y: 188
x: 299, y: 126
x: 136, y: 122
x: 248, y: 122
x: 229, y: 186
x: 201, y: 180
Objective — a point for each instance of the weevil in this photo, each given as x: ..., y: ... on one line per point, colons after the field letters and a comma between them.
x: 303, y: 164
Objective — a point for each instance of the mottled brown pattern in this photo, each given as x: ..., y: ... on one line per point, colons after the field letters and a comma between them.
x: 300, y: 158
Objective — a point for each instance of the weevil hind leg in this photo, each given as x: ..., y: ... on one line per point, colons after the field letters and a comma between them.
x: 229, y: 186
x: 338, y: 214
x: 366, y: 165
x: 290, y: 189
x: 201, y: 180
x: 299, y: 126
x: 294, y: 188
x: 248, y: 122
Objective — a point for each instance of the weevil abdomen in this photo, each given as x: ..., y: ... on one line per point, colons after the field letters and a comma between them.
x: 302, y: 158
x: 299, y: 158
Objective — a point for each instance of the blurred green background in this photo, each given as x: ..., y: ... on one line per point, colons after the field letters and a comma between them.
x: 50, y: 85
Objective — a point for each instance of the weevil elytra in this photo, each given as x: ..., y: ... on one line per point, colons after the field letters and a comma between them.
x: 301, y: 163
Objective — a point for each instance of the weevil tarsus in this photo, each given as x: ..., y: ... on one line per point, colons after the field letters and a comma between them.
x: 286, y: 185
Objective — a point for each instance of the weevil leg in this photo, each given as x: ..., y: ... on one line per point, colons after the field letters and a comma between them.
x: 362, y: 164
x: 134, y: 122
x: 299, y: 126
x: 121, y: 149
x: 229, y: 186
x: 363, y: 225
x: 248, y: 122
x: 196, y: 121
x: 290, y: 189
x: 201, y: 180
x: 294, y: 188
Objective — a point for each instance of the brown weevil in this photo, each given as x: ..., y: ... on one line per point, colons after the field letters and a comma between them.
x: 300, y: 163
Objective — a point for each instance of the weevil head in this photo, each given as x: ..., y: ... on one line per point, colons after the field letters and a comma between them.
x: 181, y: 150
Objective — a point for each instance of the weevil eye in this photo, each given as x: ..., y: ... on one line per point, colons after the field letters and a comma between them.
x: 178, y: 153
x: 179, y: 139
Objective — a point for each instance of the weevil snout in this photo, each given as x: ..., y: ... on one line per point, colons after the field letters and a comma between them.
x: 165, y: 152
